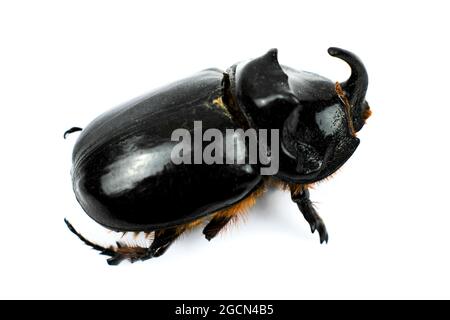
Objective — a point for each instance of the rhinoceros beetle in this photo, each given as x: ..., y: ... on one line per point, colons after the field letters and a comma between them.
x: 125, y: 179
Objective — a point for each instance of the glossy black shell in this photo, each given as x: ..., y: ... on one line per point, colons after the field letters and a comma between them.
x: 123, y: 176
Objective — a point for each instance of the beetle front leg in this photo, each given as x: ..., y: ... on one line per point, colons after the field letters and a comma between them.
x: 301, y: 198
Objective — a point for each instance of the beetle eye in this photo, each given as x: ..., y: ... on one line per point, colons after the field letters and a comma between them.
x: 360, y: 115
x: 366, y: 113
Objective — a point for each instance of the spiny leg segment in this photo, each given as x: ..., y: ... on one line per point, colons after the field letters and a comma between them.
x: 105, y: 251
x: 162, y: 240
x: 72, y: 130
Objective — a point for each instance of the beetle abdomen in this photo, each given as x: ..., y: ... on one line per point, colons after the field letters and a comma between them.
x: 124, y: 177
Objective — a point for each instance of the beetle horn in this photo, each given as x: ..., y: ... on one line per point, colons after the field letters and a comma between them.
x: 356, y: 86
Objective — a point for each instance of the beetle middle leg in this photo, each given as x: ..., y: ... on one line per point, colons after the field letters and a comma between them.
x: 300, y: 195
x: 222, y: 218
x: 215, y: 226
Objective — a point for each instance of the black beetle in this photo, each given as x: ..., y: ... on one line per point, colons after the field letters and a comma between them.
x: 124, y: 178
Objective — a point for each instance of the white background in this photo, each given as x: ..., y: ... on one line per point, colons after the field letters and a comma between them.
x: 64, y: 62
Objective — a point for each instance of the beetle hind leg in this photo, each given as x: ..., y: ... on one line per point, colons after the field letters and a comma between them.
x: 105, y: 251
x: 72, y: 130
x: 122, y: 251
x: 163, y: 240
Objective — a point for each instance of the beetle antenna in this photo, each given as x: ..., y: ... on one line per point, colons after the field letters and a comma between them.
x: 72, y: 130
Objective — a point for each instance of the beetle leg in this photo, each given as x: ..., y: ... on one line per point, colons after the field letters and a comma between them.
x: 105, y: 251
x: 123, y: 252
x: 119, y: 254
x: 215, y: 225
x: 223, y: 217
x: 301, y: 197
x: 162, y: 241
x: 72, y: 130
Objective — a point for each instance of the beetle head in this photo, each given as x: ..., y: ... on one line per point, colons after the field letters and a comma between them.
x: 316, y: 141
x: 320, y: 134
x: 318, y: 119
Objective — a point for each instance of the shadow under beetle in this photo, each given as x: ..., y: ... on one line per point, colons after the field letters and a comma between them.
x: 124, y: 179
